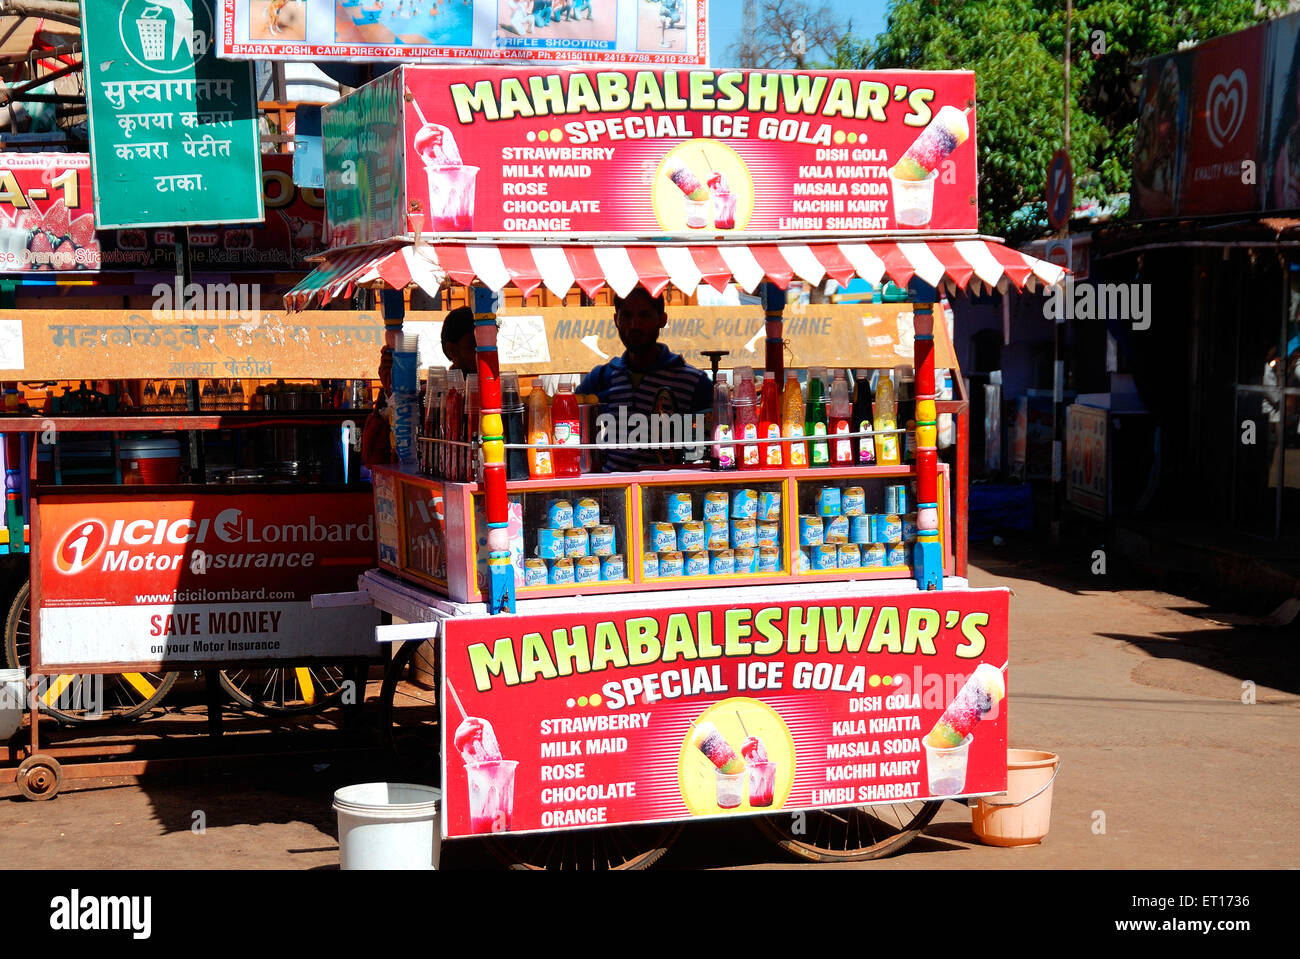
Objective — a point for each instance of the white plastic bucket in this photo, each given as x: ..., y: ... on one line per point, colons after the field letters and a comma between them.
x: 13, y: 700
x: 388, y: 826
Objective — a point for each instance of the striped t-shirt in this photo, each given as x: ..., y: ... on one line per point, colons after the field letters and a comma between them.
x: 670, y: 387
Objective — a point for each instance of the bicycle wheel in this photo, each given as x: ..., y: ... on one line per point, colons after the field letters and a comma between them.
x: 615, y: 848
x: 853, y: 834
x: 73, y: 698
x: 409, y: 715
x: 293, y: 689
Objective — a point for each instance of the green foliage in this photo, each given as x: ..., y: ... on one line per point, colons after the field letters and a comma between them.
x: 1016, y: 48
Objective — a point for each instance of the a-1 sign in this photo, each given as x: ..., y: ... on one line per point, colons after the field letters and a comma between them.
x: 1060, y: 190
x: 173, y: 129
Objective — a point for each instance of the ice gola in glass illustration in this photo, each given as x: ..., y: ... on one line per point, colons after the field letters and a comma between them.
x: 491, y: 778
x: 912, y: 177
x: 451, y: 182
x: 724, y: 202
x: 948, y: 743
x: 696, y: 194
x: 729, y: 768
x: 762, y: 771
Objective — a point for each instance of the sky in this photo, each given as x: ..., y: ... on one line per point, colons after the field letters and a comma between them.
x: 725, y: 21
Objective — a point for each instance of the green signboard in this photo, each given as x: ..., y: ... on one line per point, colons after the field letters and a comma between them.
x: 364, y: 176
x: 173, y: 129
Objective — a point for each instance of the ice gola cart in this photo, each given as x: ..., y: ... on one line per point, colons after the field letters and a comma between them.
x: 595, y: 716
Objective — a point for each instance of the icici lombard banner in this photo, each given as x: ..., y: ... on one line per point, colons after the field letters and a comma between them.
x: 691, y: 154
x: 585, y: 719
x: 179, y: 580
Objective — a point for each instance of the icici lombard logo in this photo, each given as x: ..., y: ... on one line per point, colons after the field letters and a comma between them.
x: 80, y: 546
x: 229, y: 525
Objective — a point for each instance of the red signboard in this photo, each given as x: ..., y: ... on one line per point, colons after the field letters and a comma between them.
x: 1227, y: 102
x: 47, y: 219
x: 47, y: 223
x: 584, y: 719
x: 690, y: 154
x: 192, y: 579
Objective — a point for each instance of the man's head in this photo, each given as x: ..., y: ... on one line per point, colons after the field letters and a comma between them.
x: 458, y: 343
x: 639, y: 318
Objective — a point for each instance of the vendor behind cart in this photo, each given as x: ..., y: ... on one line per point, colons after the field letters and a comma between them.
x: 647, y: 379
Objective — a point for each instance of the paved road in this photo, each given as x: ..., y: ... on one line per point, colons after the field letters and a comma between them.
x: 1141, y: 694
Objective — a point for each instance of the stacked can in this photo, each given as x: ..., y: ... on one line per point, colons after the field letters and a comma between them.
x: 574, y: 547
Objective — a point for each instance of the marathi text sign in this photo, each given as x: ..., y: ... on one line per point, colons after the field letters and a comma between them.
x: 237, y: 341
x: 46, y: 221
x: 698, y: 154
x: 567, y: 31
x: 632, y: 716
x: 173, y: 129
x: 179, y: 580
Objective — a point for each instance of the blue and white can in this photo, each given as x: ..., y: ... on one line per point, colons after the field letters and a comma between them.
x: 561, y: 572
x: 715, y: 505
x: 586, y: 513
x: 825, y: 557
x: 855, y: 501
x: 860, y: 528
x: 559, y: 514
x: 535, y: 572
x: 836, y: 530
x: 769, y: 559
x: 744, y: 504
x: 611, y: 567
x: 649, y: 566
x: 828, y: 501
x: 810, y: 530
x: 873, y: 557
x: 602, y: 541
x: 744, y: 532
x: 671, y: 564
x: 679, y: 507
x: 576, y: 543
x: 587, y: 569
x: 722, y: 562
x: 690, y: 537
x: 697, y: 563
x: 891, y: 530
x: 769, y: 533
x: 849, y: 556
x: 891, y: 499
x: 663, y: 536
x: 717, y: 534
x: 746, y: 560
x: 550, y: 543
x: 769, y: 506
x: 896, y: 554
x: 909, y: 527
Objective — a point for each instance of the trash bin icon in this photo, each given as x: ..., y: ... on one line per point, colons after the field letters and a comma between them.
x: 153, y: 34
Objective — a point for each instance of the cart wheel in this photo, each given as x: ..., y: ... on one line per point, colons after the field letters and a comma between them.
x: 294, y: 689
x: 39, y: 777
x: 410, y: 717
x: 75, y: 699
x: 855, y: 834
x: 618, y: 847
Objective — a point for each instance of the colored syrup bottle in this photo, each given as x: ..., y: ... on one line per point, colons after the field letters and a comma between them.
x: 769, y: 424
x: 862, y: 399
x: 886, y: 418
x: 796, y: 454
x: 567, y: 429
x: 540, y: 465
x: 745, y: 418
x: 453, y: 417
x: 840, y: 413
x: 819, y: 453
x: 724, y: 454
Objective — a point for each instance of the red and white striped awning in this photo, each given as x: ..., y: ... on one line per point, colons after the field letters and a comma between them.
x: 950, y: 265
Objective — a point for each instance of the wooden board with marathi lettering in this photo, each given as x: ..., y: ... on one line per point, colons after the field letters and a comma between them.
x: 553, y: 340
x: 128, y: 344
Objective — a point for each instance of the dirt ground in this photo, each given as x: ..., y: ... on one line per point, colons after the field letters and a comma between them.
x: 1166, y: 763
